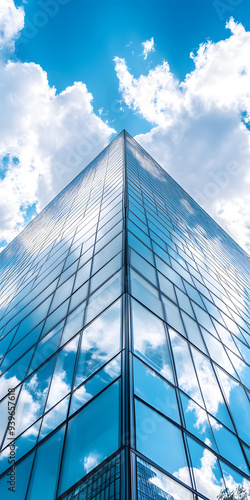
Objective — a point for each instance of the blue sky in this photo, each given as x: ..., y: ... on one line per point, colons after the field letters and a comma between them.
x: 80, y: 41
x: 186, y: 111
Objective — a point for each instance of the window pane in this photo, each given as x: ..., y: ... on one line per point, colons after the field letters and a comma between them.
x: 155, y: 436
x: 22, y: 475
x: 237, y: 484
x: 85, y: 450
x: 74, y: 323
x: 149, y: 340
x: 184, y: 367
x: 54, y: 418
x: 143, y: 267
x: 82, y: 275
x: 166, y: 287
x: 206, y: 470
x: 109, y: 251
x: 145, y: 293
x: 62, y: 293
x: 105, y: 272
x: 228, y: 445
x: 47, y: 462
x: 196, y: 421
x: 238, y: 403
x: 140, y: 248
x: 173, y: 316
x: 46, y: 347
x: 32, y: 397
x: 63, y: 373
x: 103, y: 297
x: 95, y: 384
x: 100, y: 342
x: 155, y: 391
x: 210, y: 389
x: 193, y: 332
x: 156, y: 485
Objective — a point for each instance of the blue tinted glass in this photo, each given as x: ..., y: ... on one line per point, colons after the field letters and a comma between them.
x: 196, y: 421
x: 95, y: 384
x: 206, y: 470
x: 54, y: 418
x: 5, y: 342
x: 22, y: 445
x: 74, y: 323
x: 33, y: 396
x: 46, y: 466
x: 146, y: 293
x: 103, y: 297
x: 155, y: 435
x: 100, y: 342
x: 105, y: 272
x: 238, y: 403
x: 184, y: 367
x: 149, y: 340
x: 228, y: 445
x: 184, y: 302
x: 193, y: 332
x: 155, y: 391
x: 140, y: 248
x: 166, y: 287
x: 218, y: 353
x: 66, y: 274
x: 153, y: 484
x: 238, y: 485
x: 79, y: 296
x: 62, y: 293
x: 85, y: 450
x: 62, y: 376
x: 173, y: 316
x: 46, y: 347
x: 210, y: 388
x: 169, y: 273
x: 21, y: 479
x: 109, y: 251
x: 15, y: 374
x: 55, y: 318
x: 203, y: 318
x: 143, y: 267
x: 82, y: 275
x: 32, y: 320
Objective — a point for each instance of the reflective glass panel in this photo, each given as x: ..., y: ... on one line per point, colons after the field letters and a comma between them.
x: 85, y: 450
x: 100, y: 342
x: 155, y: 436
x: 149, y: 340
x: 155, y: 391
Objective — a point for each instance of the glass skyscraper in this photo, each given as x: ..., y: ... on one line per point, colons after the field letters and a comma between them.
x: 124, y: 343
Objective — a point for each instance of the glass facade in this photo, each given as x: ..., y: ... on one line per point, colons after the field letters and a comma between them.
x: 124, y: 344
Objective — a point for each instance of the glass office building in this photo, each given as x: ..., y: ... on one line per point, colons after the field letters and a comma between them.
x: 125, y: 344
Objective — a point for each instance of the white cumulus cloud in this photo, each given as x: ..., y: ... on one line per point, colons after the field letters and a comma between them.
x: 46, y: 138
x: 200, y: 126
x: 148, y: 46
x: 11, y: 23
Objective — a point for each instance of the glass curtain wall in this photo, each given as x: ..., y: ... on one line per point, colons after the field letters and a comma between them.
x: 124, y: 343
x: 190, y: 343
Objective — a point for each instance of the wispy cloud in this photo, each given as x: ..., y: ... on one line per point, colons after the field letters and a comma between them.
x: 148, y: 46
